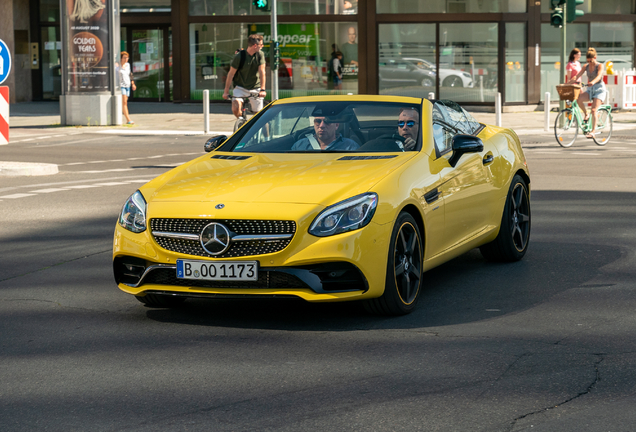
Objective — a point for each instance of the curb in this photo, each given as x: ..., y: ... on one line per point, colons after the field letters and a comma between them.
x: 14, y: 169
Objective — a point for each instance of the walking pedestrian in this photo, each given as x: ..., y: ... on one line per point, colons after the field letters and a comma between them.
x: 127, y: 83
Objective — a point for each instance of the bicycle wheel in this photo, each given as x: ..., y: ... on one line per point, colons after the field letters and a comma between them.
x: 239, y: 122
x: 604, y: 127
x: 566, y: 128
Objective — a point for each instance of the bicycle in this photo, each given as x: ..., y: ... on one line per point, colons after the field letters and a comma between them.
x: 570, y: 120
x: 246, y: 109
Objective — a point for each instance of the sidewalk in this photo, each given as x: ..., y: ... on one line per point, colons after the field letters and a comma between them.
x: 32, y: 120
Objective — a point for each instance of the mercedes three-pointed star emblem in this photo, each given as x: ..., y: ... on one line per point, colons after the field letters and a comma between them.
x: 215, y: 238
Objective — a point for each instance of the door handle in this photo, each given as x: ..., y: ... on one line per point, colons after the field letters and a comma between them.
x: 488, y: 159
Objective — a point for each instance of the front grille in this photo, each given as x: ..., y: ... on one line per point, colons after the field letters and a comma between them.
x: 266, y: 279
x: 236, y: 226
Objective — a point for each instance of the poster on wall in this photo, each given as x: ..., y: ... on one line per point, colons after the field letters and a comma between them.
x: 87, y: 49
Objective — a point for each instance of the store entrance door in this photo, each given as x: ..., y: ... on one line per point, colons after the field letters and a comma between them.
x: 150, y: 51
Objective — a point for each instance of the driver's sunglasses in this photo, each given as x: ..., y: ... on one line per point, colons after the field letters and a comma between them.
x: 318, y: 121
x: 409, y: 123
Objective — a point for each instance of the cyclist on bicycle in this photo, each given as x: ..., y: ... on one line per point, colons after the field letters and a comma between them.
x: 596, y: 90
x: 247, y: 72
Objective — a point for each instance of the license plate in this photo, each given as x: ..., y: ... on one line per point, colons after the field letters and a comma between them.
x: 215, y: 271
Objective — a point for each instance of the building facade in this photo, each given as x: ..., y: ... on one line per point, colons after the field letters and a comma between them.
x: 464, y: 50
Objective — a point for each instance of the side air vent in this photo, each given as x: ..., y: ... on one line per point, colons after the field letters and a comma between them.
x: 366, y: 157
x: 231, y: 157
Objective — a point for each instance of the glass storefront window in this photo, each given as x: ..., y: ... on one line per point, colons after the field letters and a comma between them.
x: 515, y: 67
x: 407, y: 59
x: 451, y: 6
x: 284, y: 7
x: 614, y: 41
x: 51, y: 67
x: 305, y: 53
x: 470, y: 51
x: 145, y: 6
x: 577, y: 37
x: 604, y: 7
x: 49, y: 11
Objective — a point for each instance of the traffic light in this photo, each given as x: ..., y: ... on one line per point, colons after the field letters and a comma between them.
x: 261, y: 4
x: 571, y: 10
x: 556, y: 19
x: 556, y: 4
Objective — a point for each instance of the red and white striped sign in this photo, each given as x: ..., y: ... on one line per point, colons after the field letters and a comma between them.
x: 4, y: 115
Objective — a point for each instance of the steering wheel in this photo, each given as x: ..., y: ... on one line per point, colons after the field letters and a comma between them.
x: 393, y: 137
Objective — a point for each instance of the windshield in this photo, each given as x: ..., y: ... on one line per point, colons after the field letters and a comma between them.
x: 342, y: 126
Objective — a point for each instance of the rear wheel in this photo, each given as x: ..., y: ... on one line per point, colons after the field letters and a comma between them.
x: 427, y: 82
x: 160, y: 300
x: 404, y: 270
x: 566, y: 128
x: 453, y: 81
x: 511, y: 243
x: 604, y: 127
x: 239, y: 122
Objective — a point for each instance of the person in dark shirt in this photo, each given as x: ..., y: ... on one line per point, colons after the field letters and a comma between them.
x: 350, y: 49
x: 246, y: 77
x: 325, y: 138
x: 409, y: 127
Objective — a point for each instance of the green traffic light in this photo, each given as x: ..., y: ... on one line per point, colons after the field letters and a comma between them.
x: 572, y: 13
x: 556, y: 19
x: 261, y: 4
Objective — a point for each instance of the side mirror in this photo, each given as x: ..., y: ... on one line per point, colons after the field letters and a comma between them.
x: 214, y: 142
x: 464, y: 144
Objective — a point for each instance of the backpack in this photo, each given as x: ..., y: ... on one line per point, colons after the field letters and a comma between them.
x: 241, y: 63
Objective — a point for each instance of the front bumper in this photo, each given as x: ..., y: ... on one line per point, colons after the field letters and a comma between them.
x: 342, y: 267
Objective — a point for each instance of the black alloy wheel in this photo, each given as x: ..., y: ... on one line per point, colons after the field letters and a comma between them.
x: 404, y: 270
x: 512, y: 241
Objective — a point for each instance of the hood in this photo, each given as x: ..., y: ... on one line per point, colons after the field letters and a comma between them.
x: 323, y: 178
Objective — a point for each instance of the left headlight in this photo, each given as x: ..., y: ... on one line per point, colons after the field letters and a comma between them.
x: 466, y: 74
x: 347, y: 215
x: 133, y: 214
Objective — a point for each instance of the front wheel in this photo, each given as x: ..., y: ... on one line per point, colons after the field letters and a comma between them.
x: 427, y: 82
x: 404, y: 270
x: 511, y: 243
x: 604, y: 126
x: 566, y: 128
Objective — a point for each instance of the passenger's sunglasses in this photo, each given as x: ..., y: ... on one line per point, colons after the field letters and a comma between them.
x: 409, y: 123
x: 318, y: 121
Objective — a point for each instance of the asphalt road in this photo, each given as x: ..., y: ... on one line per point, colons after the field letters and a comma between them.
x: 545, y: 344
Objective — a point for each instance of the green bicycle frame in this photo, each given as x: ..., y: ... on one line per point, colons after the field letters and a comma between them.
x: 587, y: 126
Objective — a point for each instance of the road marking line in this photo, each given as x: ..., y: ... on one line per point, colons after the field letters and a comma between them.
x: 111, y: 184
x: 82, y: 186
x: 105, y: 171
x: 14, y: 196
x: 48, y: 190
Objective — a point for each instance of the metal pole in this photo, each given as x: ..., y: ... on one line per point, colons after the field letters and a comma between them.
x: 206, y: 111
x: 564, y: 54
x: 546, y: 109
x: 271, y: 47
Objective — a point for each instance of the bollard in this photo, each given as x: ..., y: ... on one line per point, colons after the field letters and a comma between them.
x: 498, y: 109
x: 206, y: 111
x: 546, y: 109
x: 431, y: 96
x: 4, y: 115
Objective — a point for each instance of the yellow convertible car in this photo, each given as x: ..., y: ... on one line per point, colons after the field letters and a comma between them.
x: 328, y: 199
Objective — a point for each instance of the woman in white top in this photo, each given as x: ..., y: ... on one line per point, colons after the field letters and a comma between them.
x: 126, y: 83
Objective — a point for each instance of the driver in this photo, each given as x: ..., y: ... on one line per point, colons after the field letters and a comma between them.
x: 409, y: 127
x: 324, y: 138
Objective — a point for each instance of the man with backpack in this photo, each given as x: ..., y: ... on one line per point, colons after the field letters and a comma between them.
x: 247, y: 72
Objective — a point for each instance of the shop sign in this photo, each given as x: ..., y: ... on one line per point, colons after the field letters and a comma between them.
x: 297, y: 41
x: 87, y: 50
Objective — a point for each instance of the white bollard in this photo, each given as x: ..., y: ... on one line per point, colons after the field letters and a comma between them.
x: 481, y: 88
x: 206, y: 111
x: 431, y: 96
x: 498, y: 109
x: 546, y: 109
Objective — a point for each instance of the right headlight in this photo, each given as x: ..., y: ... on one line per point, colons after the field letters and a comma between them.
x: 133, y: 214
x: 347, y: 215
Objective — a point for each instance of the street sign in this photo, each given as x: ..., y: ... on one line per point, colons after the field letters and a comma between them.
x: 5, y: 61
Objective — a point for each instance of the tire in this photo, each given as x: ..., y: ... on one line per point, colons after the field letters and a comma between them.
x: 604, y: 126
x: 239, y: 122
x: 404, y: 270
x: 512, y: 241
x: 453, y: 81
x: 160, y: 300
x: 427, y: 82
x: 566, y: 128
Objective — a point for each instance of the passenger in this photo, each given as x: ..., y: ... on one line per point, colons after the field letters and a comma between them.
x: 409, y: 127
x: 324, y: 138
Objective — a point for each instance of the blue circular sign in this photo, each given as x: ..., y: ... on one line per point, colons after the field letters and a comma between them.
x: 5, y: 61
